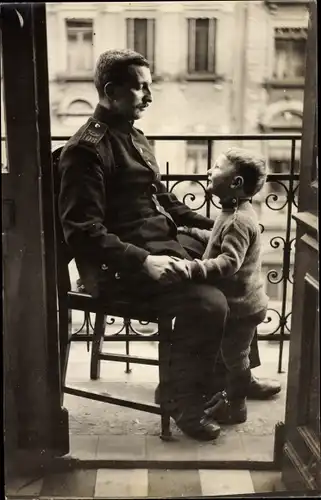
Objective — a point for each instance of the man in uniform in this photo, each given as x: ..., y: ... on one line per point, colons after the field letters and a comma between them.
x: 120, y: 224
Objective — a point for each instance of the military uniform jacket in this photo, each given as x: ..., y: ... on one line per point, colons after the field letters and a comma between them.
x: 113, y: 208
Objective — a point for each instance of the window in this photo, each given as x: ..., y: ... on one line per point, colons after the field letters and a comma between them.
x: 79, y: 46
x: 289, y: 46
x: 141, y: 38
x: 201, y: 45
x: 281, y: 167
x: 287, y: 120
x: 79, y: 108
x: 196, y: 157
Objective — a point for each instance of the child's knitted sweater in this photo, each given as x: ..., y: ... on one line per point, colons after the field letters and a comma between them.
x: 232, y: 259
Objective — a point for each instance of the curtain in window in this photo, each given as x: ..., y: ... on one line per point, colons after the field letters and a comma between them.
x: 290, y: 47
x: 201, y: 45
x: 141, y: 38
x: 79, y: 46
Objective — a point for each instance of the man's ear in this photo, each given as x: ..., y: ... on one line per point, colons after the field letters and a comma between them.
x: 109, y: 90
x: 237, y: 182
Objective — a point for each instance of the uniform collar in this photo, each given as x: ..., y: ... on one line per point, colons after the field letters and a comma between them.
x: 106, y: 116
x: 234, y: 203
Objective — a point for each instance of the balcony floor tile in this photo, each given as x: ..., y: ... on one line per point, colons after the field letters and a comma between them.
x: 258, y: 447
x: 264, y: 481
x: 226, y: 482
x: 174, y: 483
x: 120, y: 447
x: 123, y: 483
x: 83, y: 447
x: 181, y: 449
x: 228, y: 446
x: 74, y: 483
x: 24, y: 486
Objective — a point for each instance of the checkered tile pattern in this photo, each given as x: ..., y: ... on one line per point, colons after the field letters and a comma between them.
x: 143, y: 483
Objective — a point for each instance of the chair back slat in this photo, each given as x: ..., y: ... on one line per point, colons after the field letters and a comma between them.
x: 62, y: 251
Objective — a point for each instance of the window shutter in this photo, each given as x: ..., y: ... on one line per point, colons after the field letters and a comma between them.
x: 191, y: 45
x: 151, y: 43
x: 130, y: 33
x: 211, y: 45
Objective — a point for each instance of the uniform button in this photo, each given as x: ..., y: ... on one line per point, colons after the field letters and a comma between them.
x: 97, y: 125
x: 104, y: 267
x: 117, y: 277
x: 149, y: 162
x: 141, y: 150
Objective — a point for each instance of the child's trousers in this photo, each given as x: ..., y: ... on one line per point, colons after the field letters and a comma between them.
x: 235, y: 348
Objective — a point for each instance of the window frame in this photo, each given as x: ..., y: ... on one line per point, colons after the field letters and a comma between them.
x: 209, y: 74
x: 288, y: 37
x: 150, y: 37
x: 72, y: 73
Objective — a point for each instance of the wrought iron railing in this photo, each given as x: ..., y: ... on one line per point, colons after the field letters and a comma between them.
x: 274, y: 207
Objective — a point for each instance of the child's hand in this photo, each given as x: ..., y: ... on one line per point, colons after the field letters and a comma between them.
x: 188, y: 266
x: 182, y: 267
x: 197, y: 270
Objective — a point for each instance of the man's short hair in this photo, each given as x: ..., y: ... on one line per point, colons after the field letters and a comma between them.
x: 113, y: 66
x: 251, y: 167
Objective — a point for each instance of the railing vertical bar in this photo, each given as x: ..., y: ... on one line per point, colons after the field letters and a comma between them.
x: 167, y: 174
x: 286, y: 257
x: 209, y: 164
x: 127, y: 330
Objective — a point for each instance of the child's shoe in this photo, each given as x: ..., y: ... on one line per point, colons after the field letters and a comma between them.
x: 233, y: 412
x: 225, y: 411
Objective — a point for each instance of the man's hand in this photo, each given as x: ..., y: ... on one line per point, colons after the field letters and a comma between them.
x: 166, y: 269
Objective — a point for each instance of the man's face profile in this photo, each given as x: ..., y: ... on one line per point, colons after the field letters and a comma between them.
x: 132, y: 98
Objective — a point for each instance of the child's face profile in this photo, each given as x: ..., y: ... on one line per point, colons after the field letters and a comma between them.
x: 221, y: 176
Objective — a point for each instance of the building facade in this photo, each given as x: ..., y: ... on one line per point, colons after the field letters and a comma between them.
x: 219, y: 67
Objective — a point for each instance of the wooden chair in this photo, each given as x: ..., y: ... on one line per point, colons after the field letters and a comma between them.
x: 71, y: 300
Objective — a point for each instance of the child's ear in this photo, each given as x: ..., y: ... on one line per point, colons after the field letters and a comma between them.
x: 109, y: 90
x: 237, y: 182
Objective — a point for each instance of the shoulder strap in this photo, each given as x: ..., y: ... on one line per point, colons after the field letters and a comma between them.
x: 93, y: 132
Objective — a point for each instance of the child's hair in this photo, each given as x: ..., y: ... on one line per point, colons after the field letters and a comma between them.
x: 251, y: 167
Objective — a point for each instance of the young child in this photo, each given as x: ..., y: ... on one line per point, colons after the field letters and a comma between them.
x: 232, y: 261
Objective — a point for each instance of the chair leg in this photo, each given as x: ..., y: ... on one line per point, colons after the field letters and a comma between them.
x: 97, y: 344
x: 165, y: 328
x: 128, y: 368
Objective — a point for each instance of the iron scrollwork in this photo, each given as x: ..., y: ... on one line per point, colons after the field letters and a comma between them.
x: 274, y: 197
x: 191, y: 196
